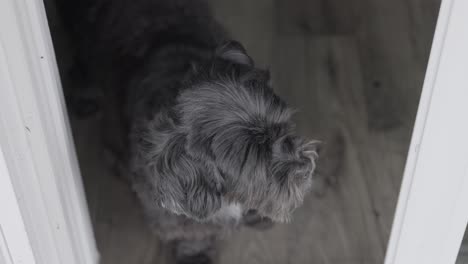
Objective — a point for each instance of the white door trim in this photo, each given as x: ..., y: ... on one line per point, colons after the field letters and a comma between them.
x: 14, y: 242
x: 432, y: 210
x: 36, y: 141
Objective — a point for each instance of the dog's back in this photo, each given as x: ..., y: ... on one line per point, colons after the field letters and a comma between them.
x: 112, y: 36
x: 137, y: 52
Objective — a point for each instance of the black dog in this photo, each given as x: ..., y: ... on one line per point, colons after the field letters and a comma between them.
x: 206, y: 140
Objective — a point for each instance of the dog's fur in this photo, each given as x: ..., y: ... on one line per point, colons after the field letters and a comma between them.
x: 206, y: 138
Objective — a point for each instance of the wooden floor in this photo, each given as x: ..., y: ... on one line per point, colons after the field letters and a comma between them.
x: 354, y: 70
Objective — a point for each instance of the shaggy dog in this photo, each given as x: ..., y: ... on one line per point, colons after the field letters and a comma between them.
x: 206, y: 142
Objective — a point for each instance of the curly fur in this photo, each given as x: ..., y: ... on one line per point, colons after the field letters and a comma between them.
x: 206, y: 138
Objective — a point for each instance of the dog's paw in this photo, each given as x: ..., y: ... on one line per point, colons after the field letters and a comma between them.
x: 254, y: 220
x: 200, y: 258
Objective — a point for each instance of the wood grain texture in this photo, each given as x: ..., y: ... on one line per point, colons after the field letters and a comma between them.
x: 354, y: 71
x: 393, y: 58
x: 317, y: 16
x: 119, y: 228
x: 393, y: 70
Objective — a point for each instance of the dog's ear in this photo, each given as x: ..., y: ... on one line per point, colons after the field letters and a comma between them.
x: 234, y: 52
x: 203, y: 192
x: 183, y: 184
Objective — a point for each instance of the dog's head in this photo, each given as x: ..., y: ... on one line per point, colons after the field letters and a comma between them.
x: 228, y: 145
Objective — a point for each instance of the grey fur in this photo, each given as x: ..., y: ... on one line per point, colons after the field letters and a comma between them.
x: 206, y: 138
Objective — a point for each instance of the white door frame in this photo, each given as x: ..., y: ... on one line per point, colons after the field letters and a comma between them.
x: 432, y: 211
x: 14, y: 242
x: 38, y: 164
x: 44, y: 217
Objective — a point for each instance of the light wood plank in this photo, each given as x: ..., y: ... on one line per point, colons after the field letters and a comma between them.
x: 122, y: 234
x: 317, y: 17
x: 393, y: 78
x: 336, y: 75
x: 393, y: 66
x: 422, y: 17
